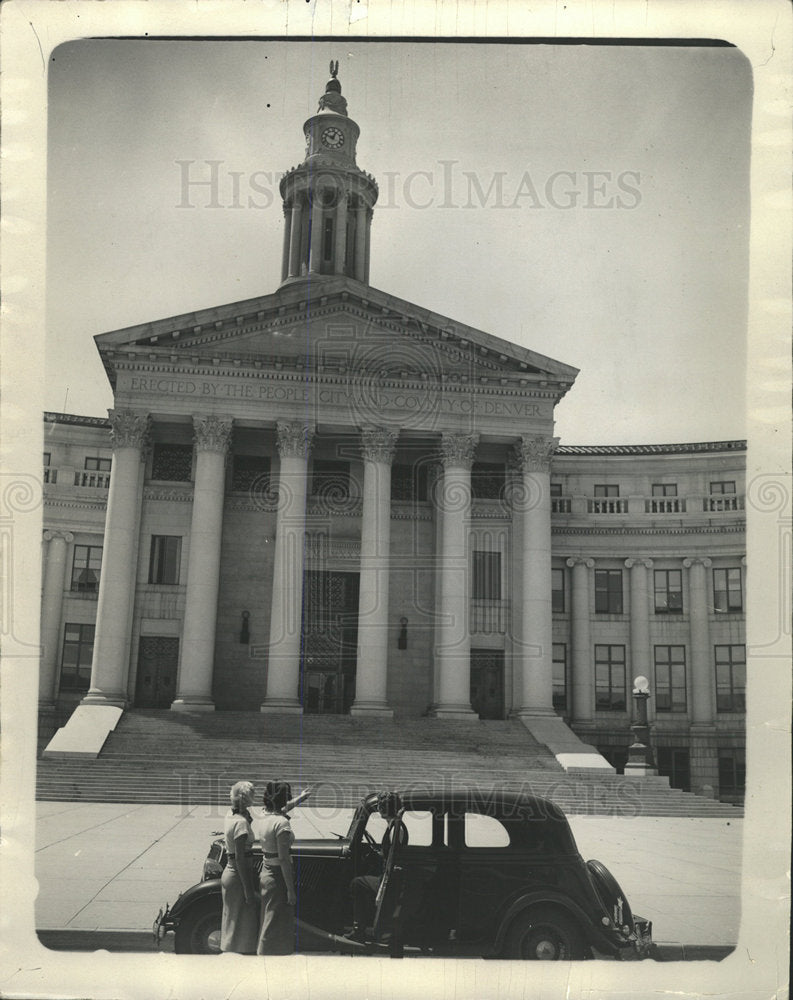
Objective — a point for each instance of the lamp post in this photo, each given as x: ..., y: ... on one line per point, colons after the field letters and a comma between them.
x: 640, y: 754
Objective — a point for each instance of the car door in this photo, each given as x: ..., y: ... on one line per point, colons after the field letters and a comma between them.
x: 488, y: 873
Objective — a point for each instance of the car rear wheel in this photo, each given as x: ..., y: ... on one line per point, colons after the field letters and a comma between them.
x: 611, y: 895
x: 198, y: 932
x: 545, y: 934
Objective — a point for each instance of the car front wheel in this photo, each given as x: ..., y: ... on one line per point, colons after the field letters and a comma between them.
x: 545, y: 934
x: 198, y: 932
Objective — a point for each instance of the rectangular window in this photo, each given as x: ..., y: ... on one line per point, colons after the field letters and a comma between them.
x: 670, y: 678
x: 487, y: 481
x: 172, y: 463
x: 608, y: 591
x: 98, y: 464
x: 664, y: 489
x: 730, y: 678
x: 47, y: 457
x: 610, y: 678
x: 409, y: 481
x: 78, y: 651
x: 559, y: 667
x: 727, y: 592
x: 604, y: 490
x: 721, y: 488
x: 250, y: 473
x: 330, y: 479
x: 556, y: 490
x: 486, y: 585
x: 86, y: 568
x: 674, y: 763
x: 732, y: 772
x: 668, y: 591
x: 557, y: 591
x: 164, y: 561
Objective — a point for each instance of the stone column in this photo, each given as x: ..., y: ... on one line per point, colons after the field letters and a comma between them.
x: 287, y: 237
x: 582, y: 661
x: 283, y: 667
x: 371, y: 670
x: 360, y: 242
x: 110, y: 665
x: 296, y: 226
x: 533, y: 501
x: 702, y: 668
x: 368, y: 257
x: 640, y: 662
x: 197, y: 658
x: 51, y: 610
x: 453, y: 638
x: 315, y: 254
x: 340, y: 240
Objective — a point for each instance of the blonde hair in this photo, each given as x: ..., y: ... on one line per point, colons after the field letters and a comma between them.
x: 241, y: 794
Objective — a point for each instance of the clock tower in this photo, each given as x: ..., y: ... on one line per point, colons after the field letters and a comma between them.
x: 328, y: 199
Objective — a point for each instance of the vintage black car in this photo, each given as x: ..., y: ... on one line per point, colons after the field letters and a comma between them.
x: 487, y: 873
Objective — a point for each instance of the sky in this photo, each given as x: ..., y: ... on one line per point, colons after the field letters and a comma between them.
x: 589, y: 202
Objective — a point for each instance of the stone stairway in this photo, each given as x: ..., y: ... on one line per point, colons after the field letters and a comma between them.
x: 193, y: 759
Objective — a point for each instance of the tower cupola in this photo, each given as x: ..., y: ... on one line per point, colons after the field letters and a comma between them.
x: 328, y: 200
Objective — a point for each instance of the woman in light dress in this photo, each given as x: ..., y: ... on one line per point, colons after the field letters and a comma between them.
x: 240, y: 925
x: 278, y: 895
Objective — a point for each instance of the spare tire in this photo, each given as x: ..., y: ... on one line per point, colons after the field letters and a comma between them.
x: 612, y: 897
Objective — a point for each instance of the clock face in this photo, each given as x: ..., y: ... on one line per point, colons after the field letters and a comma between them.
x: 333, y: 138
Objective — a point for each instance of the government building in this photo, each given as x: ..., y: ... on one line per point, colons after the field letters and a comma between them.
x: 330, y: 500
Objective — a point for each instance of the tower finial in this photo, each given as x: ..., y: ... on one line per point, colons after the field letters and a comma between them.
x: 332, y: 100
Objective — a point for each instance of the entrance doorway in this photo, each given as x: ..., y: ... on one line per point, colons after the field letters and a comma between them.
x: 330, y: 640
x: 487, y: 683
x: 158, y: 660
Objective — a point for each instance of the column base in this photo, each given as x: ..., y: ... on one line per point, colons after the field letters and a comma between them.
x: 193, y: 703
x: 281, y: 706
x: 639, y: 771
x: 464, y: 712
x: 533, y: 713
x: 372, y: 708
x: 113, y: 699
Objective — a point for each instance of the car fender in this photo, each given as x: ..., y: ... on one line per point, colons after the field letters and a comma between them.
x: 545, y: 897
x: 196, y: 893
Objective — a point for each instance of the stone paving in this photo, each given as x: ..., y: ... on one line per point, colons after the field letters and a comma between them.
x: 111, y: 867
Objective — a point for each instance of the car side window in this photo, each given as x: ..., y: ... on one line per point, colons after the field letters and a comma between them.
x: 418, y: 824
x: 484, y: 831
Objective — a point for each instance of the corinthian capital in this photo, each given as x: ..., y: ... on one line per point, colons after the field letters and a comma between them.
x: 129, y: 428
x: 211, y: 433
x: 458, y: 449
x: 378, y: 444
x: 294, y: 439
x: 535, y: 454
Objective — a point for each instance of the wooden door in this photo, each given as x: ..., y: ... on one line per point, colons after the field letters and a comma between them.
x: 158, y: 660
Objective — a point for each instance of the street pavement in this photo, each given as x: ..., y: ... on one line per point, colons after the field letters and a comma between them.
x: 104, y: 870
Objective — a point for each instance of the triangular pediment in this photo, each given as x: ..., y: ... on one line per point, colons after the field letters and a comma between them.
x: 335, y: 324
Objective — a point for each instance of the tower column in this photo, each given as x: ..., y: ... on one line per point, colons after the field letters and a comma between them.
x: 582, y: 678
x: 371, y: 673
x: 533, y: 500
x: 315, y: 255
x: 51, y: 610
x: 368, y: 256
x: 453, y: 639
x: 194, y: 691
x: 340, y: 247
x: 283, y: 665
x: 109, y: 667
x: 702, y: 669
x: 640, y: 658
x: 360, y: 242
x: 295, y: 229
x: 287, y: 236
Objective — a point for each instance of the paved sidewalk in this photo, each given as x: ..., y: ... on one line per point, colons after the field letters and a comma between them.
x: 110, y: 867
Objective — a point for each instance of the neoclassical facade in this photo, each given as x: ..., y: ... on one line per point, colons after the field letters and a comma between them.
x: 329, y: 499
